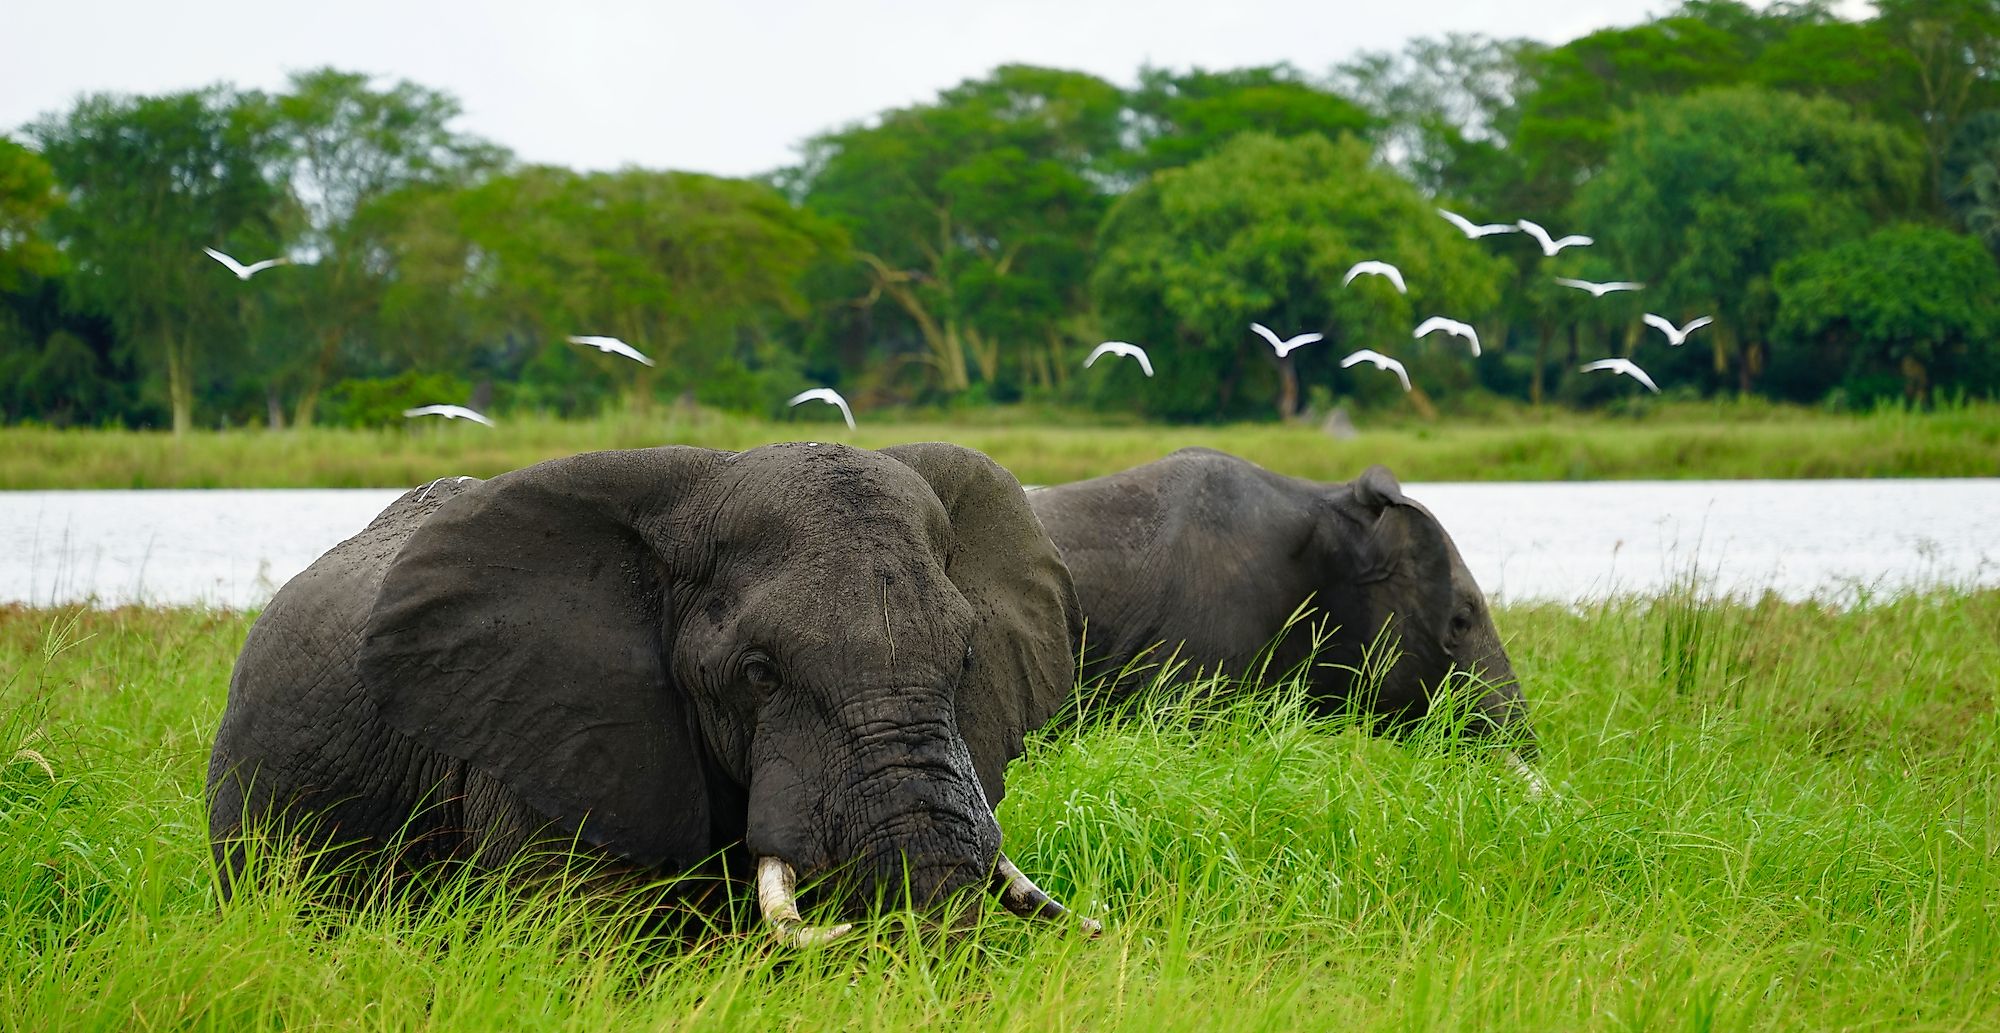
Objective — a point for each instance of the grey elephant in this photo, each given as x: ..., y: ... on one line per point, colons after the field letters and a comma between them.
x: 1204, y: 557
x: 798, y: 659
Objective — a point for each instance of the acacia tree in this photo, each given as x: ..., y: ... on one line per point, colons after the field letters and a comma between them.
x: 692, y: 270
x: 1702, y: 197
x: 973, y: 216
x: 346, y: 144
x: 1264, y: 230
x: 149, y: 182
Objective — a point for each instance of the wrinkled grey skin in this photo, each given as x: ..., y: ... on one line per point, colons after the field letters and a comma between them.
x: 672, y: 655
x: 1208, y: 554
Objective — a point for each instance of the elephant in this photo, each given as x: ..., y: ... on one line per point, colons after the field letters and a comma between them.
x: 1205, y: 557
x: 803, y: 659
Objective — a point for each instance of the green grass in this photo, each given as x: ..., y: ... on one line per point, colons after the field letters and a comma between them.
x: 1770, y: 816
x: 1722, y: 440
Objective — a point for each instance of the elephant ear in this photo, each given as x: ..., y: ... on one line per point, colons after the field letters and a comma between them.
x: 1023, y: 602
x: 522, y: 630
x: 1385, y: 515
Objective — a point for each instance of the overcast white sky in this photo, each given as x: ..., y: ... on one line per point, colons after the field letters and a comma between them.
x: 719, y: 87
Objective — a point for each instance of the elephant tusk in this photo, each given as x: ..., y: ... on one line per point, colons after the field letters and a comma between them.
x: 1021, y: 896
x: 778, y: 900
x: 1537, y: 785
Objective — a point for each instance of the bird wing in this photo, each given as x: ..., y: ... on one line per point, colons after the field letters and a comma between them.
x: 587, y: 340
x: 1631, y: 369
x: 257, y: 267
x: 618, y: 347
x: 1573, y: 240
x: 475, y: 417
x: 1355, y: 270
x: 422, y: 410
x: 1464, y: 224
x: 1395, y: 276
x: 1397, y: 368
x: 845, y: 413
x: 1297, y: 341
x: 1662, y: 324
x: 1582, y: 285
x: 810, y: 394
x: 1696, y: 324
x: 1265, y: 332
x: 1108, y: 346
x: 234, y: 266
x: 1623, y: 285
x: 1140, y: 354
x: 1364, y: 355
x: 1431, y: 325
x: 1535, y: 230
x: 1592, y: 367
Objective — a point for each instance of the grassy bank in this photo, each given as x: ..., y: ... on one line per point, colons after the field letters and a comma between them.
x: 1682, y: 441
x: 1771, y: 817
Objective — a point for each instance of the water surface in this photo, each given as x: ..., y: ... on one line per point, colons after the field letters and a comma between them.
x: 1523, y: 541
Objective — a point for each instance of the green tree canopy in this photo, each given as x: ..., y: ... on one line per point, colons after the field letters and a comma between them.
x: 1702, y: 196
x: 1264, y: 230
x: 973, y: 216
x: 150, y: 181
x: 27, y: 196
x: 1900, y: 309
x: 1181, y: 117
x: 346, y: 143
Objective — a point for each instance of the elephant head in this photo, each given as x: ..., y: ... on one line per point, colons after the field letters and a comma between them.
x: 1388, y: 566
x: 827, y: 654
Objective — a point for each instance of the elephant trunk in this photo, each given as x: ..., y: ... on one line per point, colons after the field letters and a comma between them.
x: 888, y: 802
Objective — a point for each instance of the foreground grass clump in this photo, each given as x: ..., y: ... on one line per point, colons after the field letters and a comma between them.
x: 1686, y: 440
x: 1769, y: 816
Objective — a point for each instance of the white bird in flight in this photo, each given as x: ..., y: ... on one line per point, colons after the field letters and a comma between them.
x: 1289, y: 344
x: 1450, y: 326
x: 449, y: 412
x: 1121, y: 348
x: 1598, y: 290
x: 1676, y: 335
x: 1550, y: 247
x: 1375, y: 268
x: 610, y: 346
x: 1473, y: 230
x: 244, y: 272
x: 1381, y: 361
x: 830, y: 397
x: 1625, y: 366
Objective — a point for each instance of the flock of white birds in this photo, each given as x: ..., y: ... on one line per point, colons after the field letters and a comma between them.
x: 1551, y: 246
x: 1676, y: 335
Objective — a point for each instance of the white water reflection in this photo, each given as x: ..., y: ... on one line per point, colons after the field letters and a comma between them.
x: 1558, y: 541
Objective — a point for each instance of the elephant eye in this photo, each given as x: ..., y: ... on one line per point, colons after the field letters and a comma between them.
x: 760, y: 671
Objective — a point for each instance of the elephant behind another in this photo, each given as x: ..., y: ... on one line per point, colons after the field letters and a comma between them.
x: 1204, y: 556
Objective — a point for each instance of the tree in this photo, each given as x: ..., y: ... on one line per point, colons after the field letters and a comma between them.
x: 1264, y: 230
x: 1444, y: 108
x: 694, y: 271
x: 1910, y: 306
x: 347, y: 143
x: 1702, y: 196
x: 1182, y: 117
x: 150, y: 182
x: 1953, y: 48
x: 973, y: 216
x: 27, y: 196
x: 1972, y: 178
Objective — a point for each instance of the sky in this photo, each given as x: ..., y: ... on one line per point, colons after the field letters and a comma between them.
x: 723, y: 87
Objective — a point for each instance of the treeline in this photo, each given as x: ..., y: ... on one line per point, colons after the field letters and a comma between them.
x: 1828, y: 190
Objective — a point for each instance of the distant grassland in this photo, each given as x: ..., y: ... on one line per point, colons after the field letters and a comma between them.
x: 1770, y: 816
x: 1675, y: 441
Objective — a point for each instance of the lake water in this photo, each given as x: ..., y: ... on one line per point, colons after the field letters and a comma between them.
x: 1523, y: 541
